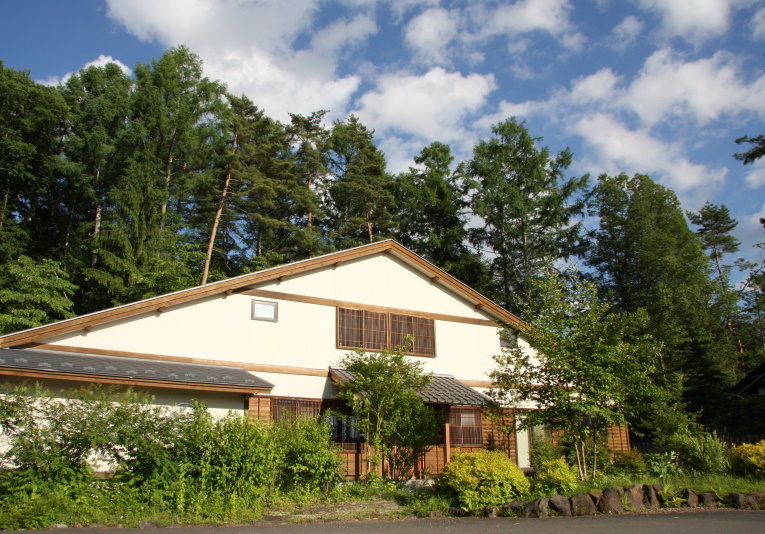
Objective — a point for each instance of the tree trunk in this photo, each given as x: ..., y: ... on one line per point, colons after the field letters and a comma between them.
x: 214, y: 231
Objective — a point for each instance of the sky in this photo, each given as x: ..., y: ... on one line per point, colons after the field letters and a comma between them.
x: 659, y: 87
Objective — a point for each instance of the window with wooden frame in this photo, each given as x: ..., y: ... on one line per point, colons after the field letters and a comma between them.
x: 283, y: 409
x: 465, y: 426
x: 369, y: 330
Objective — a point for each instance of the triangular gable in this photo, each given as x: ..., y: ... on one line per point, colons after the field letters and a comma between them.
x: 284, y: 271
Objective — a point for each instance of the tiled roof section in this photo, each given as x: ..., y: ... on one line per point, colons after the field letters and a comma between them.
x: 749, y: 384
x: 441, y: 390
x: 129, y: 368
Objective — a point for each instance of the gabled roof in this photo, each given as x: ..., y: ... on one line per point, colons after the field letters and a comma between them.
x: 749, y: 384
x: 441, y: 390
x: 35, y: 363
x: 233, y: 284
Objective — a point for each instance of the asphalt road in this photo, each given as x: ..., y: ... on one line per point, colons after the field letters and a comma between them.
x: 700, y: 522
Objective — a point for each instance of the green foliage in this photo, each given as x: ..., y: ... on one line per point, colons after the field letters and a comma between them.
x: 308, y: 460
x: 555, y: 477
x: 33, y: 293
x: 527, y: 209
x: 749, y: 459
x: 387, y: 409
x: 699, y: 453
x: 663, y: 464
x: 483, y: 478
x: 588, y: 369
x: 629, y: 462
x: 544, y: 451
x: 162, y: 461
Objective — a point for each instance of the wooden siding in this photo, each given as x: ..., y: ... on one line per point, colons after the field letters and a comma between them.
x: 618, y: 439
x: 259, y: 409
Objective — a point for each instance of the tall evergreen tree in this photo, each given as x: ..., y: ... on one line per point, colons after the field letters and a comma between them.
x: 310, y: 141
x: 32, y: 125
x: 526, y: 206
x: 431, y: 215
x: 359, y: 202
x: 646, y: 257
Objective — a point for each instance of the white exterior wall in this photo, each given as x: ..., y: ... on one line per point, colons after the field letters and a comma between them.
x: 221, y: 328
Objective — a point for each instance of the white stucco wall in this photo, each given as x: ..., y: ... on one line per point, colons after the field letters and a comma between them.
x: 220, y: 327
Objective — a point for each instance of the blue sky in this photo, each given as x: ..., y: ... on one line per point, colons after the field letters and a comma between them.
x: 661, y: 87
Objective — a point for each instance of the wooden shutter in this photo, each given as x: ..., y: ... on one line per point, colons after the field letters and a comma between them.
x: 362, y: 329
x: 421, y: 330
x: 292, y: 409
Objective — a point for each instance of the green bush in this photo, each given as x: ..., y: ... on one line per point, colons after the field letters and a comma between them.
x: 544, y: 451
x: 700, y: 453
x: 749, y: 459
x: 629, y: 463
x: 555, y: 477
x: 308, y: 460
x: 483, y: 478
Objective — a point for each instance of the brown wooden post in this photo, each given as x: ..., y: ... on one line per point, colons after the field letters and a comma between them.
x: 447, y: 438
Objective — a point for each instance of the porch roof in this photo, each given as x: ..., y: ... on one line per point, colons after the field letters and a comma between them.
x: 443, y: 389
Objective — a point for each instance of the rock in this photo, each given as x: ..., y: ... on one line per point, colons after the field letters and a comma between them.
x: 635, y: 497
x: 97, y: 525
x: 691, y: 497
x: 419, y: 483
x: 595, y: 495
x: 59, y: 526
x: 560, y: 505
x: 458, y: 512
x: 611, y: 502
x: 741, y: 501
x: 491, y: 511
x: 76, y: 525
x: 651, y: 496
x: 759, y: 497
x: 512, y: 508
x: 436, y: 513
x: 147, y: 524
x: 709, y: 500
x: 581, y: 504
x: 537, y: 508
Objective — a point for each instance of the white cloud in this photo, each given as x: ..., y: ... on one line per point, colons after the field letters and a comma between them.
x: 758, y: 24
x: 526, y: 16
x: 99, y: 62
x: 432, y: 106
x: 694, y: 20
x: 625, y: 33
x: 703, y: 90
x: 429, y: 36
x: 253, y: 46
x: 621, y: 149
x: 756, y: 176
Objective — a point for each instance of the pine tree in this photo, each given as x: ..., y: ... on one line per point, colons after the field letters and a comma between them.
x: 431, y: 215
x: 526, y: 206
x: 359, y: 202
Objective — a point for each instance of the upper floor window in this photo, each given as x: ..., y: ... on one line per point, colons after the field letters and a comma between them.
x: 263, y: 310
x: 376, y: 331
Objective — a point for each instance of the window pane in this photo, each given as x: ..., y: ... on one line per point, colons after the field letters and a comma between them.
x: 421, y: 330
x: 350, y: 330
x: 375, y: 330
x: 264, y: 311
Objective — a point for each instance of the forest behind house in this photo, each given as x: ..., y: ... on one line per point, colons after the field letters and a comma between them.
x: 115, y: 188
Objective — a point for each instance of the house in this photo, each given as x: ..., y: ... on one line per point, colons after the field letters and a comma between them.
x: 267, y: 343
x: 753, y: 383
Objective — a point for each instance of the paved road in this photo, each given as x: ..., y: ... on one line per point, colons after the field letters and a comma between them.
x: 724, y: 522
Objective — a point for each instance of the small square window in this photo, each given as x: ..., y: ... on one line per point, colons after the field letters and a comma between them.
x: 265, y: 311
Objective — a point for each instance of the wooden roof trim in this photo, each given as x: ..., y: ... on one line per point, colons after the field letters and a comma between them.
x: 231, y: 284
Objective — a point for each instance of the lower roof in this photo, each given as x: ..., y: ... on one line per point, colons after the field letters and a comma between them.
x: 441, y: 390
x: 37, y: 363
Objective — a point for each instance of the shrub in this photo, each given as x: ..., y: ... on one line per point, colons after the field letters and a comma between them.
x: 749, y: 459
x: 544, y: 451
x: 308, y: 460
x: 555, y: 476
x: 483, y: 478
x: 629, y: 462
x: 700, y: 453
